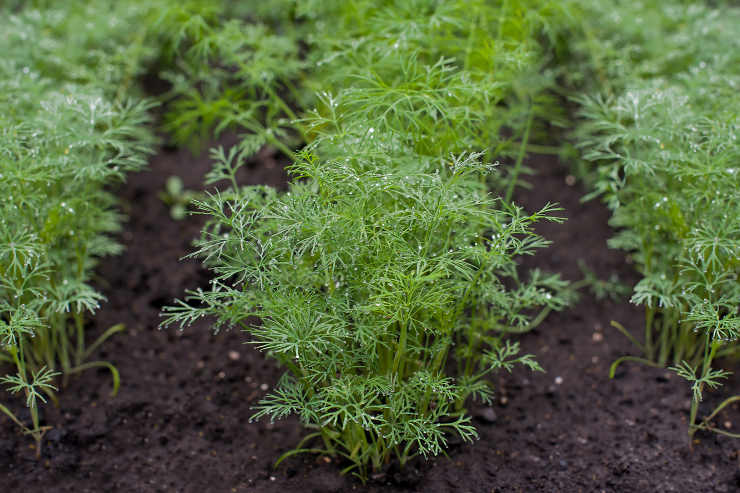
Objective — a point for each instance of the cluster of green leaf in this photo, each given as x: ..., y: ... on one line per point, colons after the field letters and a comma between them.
x: 661, y: 126
x: 479, y: 69
x: 468, y: 75
x: 368, y: 276
x: 385, y: 278
x: 65, y: 133
x: 230, y: 65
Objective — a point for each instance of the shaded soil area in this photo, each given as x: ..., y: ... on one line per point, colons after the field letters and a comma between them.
x: 181, y: 419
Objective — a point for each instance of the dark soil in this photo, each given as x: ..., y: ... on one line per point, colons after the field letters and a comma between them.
x: 180, y: 421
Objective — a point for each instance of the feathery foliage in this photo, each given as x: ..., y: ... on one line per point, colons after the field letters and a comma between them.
x: 368, y: 277
x: 474, y: 75
x: 65, y: 136
x: 662, y: 130
x: 231, y: 65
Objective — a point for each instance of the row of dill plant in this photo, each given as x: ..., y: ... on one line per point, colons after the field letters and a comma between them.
x: 67, y: 131
x: 659, y: 122
x: 385, y: 278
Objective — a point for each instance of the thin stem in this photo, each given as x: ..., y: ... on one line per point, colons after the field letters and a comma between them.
x: 80, y: 328
x: 401, y: 347
x: 649, y: 314
x: 519, y: 158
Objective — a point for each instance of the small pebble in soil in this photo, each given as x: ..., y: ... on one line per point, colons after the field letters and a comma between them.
x: 597, y: 337
x: 558, y: 380
x: 570, y: 180
x: 594, y: 359
x: 728, y: 425
x: 234, y: 355
x: 272, y: 478
x: 486, y: 414
x: 221, y: 375
x: 264, y: 386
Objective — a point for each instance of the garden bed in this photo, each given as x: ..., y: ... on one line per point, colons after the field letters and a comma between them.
x: 180, y: 421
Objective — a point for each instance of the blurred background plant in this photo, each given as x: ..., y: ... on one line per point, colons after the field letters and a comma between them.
x: 482, y: 70
x: 659, y: 124
x: 70, y: 127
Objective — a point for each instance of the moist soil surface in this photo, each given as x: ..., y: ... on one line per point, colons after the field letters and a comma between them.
x: 180, y: 421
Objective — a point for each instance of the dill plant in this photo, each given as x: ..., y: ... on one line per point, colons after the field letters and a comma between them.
x: 65, y: 136
x: 385, y: 279
x: 663, y: 136
x: 370, y: 277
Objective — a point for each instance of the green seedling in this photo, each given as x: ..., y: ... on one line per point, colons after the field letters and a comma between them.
x: 177, y: 197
